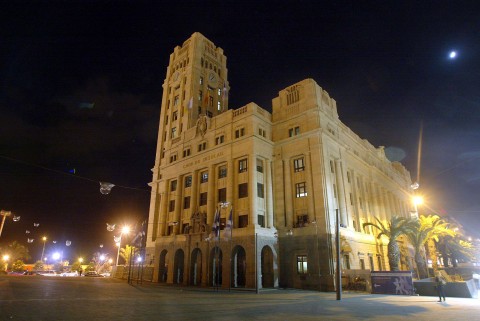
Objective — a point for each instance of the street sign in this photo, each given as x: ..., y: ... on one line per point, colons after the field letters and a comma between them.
x: 395, y: 282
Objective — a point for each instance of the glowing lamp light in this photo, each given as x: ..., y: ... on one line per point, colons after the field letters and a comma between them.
x: 125, y: 230
x: 6, y: 257
x: 102, y: 257
x: 417, y: 200
x: 139, y: 259
x: 56, y: 256
x: 80, y: 259
x: 452, y: 54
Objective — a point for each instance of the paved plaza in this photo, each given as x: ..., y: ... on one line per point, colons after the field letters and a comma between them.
x: 62, y: 298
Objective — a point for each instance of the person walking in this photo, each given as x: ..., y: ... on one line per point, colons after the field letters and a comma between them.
x: 441, y: 282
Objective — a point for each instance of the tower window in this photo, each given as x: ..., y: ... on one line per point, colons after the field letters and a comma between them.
x: 204, y: 177
x: 298, y: 165
x: 188, y: 181
x: 201, y: 78
x: 202, y: 146
x: 175, y: 115
x: 203, y: 199
x: 222, y: 195
x: 222, y: 171
x: 219, y: 139
x: 239, y: 132
x: 173, y: 186
x: 242, y: 165
x: 186, y: 152
x: 242, y: 190
x: 176, y: 100
x: 260, y: 192
x: 294, y: 131
x: 186, y: 202
x: 171, y: 206
x: 259, y: 165
x: 301, y: 189
x: 173, y: 132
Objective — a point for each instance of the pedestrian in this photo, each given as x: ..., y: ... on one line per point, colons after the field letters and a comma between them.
x: 80, y: 272
x: 441, y: 282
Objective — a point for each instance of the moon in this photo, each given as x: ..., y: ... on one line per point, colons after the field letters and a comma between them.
x: 452, y: 54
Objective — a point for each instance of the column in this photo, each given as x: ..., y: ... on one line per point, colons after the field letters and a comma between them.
x: 269, y: 193
x: 288, y: 194
x: 178, y: 205
x: 163, y: 210
x: 310, y: 195
x: 252, y: 194
x: 341, y: 193
x: 211, y: 197
x: 194, y: 197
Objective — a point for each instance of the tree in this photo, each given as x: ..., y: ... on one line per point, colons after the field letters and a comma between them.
x: 425, y: 230
x: 18, y: 266
x: 17, y: 251
x: 454, y: 248
x: 396, y: 226
x: 125, y: 253
x: 439, y: 228
x: 76, y: 266
x: 39, y: 265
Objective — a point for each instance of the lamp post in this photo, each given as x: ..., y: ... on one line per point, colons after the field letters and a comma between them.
x: 44, y: 239
x: 125, y: 230
x: 5, y: 258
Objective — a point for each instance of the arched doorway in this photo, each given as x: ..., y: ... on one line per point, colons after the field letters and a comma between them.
x: 196, y: 267
x: 239, y: 267
x: 216, y: 256
x: 163, y: 267
x: 267, y: 267
x: 178, y: 267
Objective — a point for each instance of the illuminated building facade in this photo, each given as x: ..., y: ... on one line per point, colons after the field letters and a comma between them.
x: 277, y: 177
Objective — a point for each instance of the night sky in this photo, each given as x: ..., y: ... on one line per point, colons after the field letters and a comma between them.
x: 81, y: 86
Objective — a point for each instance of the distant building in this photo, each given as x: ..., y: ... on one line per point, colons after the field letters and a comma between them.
x: 281, y: 176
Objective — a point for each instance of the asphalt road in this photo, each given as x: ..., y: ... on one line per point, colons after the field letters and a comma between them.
x: 80, y: 298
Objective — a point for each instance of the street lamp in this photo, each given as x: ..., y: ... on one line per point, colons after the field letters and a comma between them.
x: 6, y: 257
x: 44, y: 239
x: 80, y: 259
x: 417, y: 200
x: 125, y: 230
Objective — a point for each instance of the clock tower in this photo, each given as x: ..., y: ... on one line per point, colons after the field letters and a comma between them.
x: 195, y: 86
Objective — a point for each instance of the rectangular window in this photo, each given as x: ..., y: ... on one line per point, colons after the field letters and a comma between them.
x: 222, y: 171
x: 171, y: 206
x: 173, y: 158
x: 243, y: 190
x: 239, y: 132
x: 259, y: 165
x: 301, y: 189
x: 210, y: 101
x: 222, y: 195
x: 302, y: 265
x: 362, y: 264
x: 173, y: 186
x: 219, y: 92
x: 242, y: 165
x: 200, y: 95
x: 176, y: 100
x: 261, y: 220
x: 204, y: 177
x: 186, y: 202
x: 262, y: 132
x: 334, y: 191
x: 209, y: 114
x: 166, y: 119
x: 173, y: 133
x: 188, y: 181
x: 332, y: 167
x: 242, y: 221
x: 372, y: 267
x: 260, y: 192
x: 298, y: 164
x: 293, y: 131
x: 219, y: 139
x: 302, y: 220
x: 202, y: 146
x: 201, y: 80
x: 219, y: 106
x: 186, y: 152
x: 346, y: 262
x: 175, y: 115
x: 203, y: 199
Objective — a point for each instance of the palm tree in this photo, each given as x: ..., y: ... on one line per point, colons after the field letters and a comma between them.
x: 438, y: 228
x: 417, y: 237
x: 456, y: 249
x: 396, y: 226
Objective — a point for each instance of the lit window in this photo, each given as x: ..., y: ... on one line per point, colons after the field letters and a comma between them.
x: 176, y: 100
x: 201, y: 78
x: 173, y: 132
x: 204, y: 177
x: 298, y: 165
x: 242, y: 165
x: 302, y: 266
x: 301, y: 189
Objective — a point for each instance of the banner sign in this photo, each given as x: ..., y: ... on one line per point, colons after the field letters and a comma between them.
x: 395, y: 282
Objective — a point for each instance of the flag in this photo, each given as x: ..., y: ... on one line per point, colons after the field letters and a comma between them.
x: 229, y: 224
x: 216, y: 224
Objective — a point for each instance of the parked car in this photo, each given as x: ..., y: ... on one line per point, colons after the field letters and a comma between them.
x: 47, y: 273
x: 69, y: 273
x: 93, y: 274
